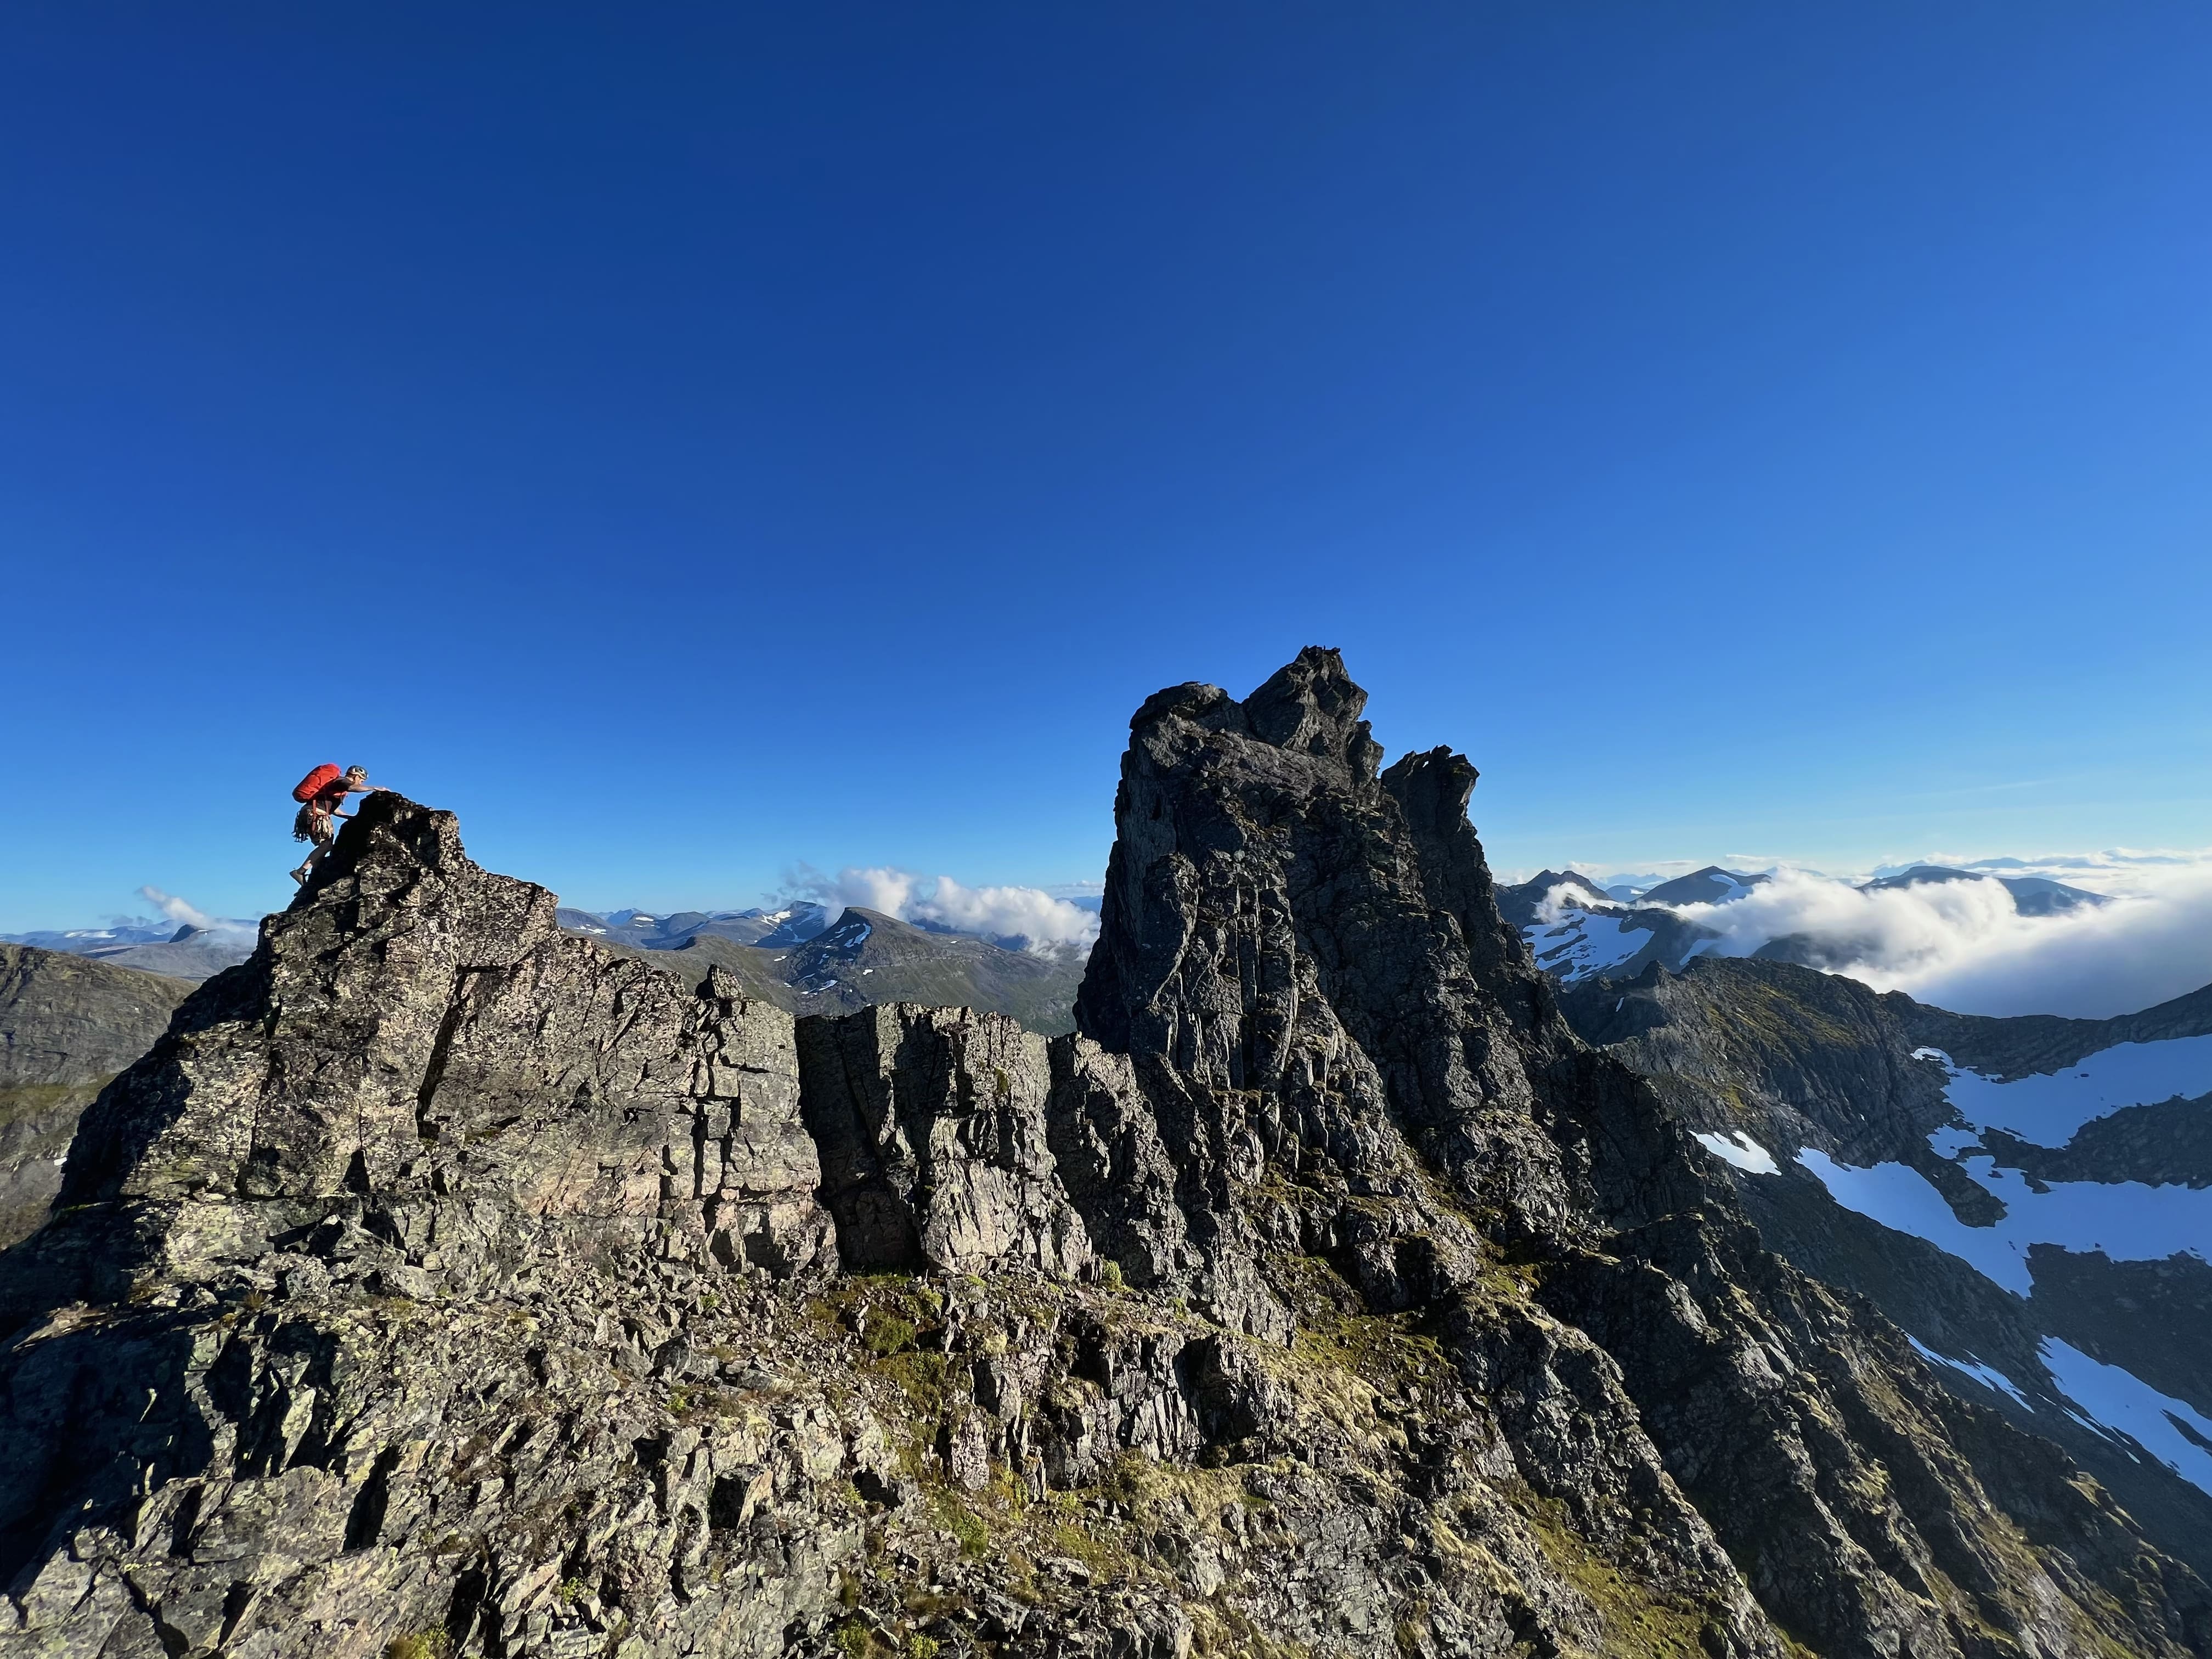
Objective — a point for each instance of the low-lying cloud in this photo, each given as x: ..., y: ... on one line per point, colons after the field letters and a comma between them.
x: 1028, y: 913
x: 185, y: 914
x: 1962, y: 945
x: 1028, y: 917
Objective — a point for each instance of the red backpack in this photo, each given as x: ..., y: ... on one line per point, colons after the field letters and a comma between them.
x: 316, y: 782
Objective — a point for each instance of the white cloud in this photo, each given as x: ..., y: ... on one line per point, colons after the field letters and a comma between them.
x: 1044, y: 923
x: 1031, y: 912
x: 178, y: 911
x: 1561, y: 901
x: 185, y: 914
x: 890, y: 892
x: 2118, y: 871
x: 1962, y: 945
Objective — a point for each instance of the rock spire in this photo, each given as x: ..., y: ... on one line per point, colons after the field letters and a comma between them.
x: 442, y: 1283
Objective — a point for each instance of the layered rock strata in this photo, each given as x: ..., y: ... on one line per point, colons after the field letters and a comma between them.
x: 443, y: 1284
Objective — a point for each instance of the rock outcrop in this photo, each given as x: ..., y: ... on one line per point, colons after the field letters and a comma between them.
x: 931, y: 1127
x: 442, y: 1283
x: 1304, y: 959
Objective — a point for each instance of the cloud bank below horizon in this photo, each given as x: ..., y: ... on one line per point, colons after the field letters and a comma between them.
x: 1962, y: 945
x: 185, y: 914
x: 1043, y: 923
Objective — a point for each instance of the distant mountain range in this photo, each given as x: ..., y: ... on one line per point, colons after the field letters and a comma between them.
x: 673, y: 930
x: 153, y: 947
x: 1577, y: 930
x: 804, y: 957
x: 801, y: 960
x: 2031, y: 895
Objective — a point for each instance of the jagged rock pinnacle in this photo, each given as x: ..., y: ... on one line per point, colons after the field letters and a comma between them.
x: 444, y: 1282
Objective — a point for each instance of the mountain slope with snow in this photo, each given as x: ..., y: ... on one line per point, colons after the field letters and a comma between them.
x: 1894, y: 929
x: 2030, y: 1198
x: 794, y: 962
x: 1576, y: 931
x: 181, y: 951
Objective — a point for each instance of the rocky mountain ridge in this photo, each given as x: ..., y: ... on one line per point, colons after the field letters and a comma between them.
x: 445, y: 1283
x: 1578, y: 931
x: 70, y: 1020
x: 2021, y: 1195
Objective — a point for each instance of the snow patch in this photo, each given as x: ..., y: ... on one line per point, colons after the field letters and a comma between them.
x: 1986, y: 1376
x: 2127, y: 1220
x: 1583, y: 945
x: 2118, y: 1402
x: 2048, y: 1107
x: 1740, y: 1149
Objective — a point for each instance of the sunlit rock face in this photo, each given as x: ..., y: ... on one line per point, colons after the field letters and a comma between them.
x: 442, y: 1282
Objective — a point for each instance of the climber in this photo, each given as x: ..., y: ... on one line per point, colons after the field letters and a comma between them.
x: 324, y: 792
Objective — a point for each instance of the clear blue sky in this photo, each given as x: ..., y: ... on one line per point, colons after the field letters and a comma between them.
x: 688, y: 438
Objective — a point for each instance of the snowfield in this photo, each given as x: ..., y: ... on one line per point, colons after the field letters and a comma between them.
x: 2115, y: 1402
x: 2127, y: 1220
x: 1740, y: 1149
x: 1583, y: 943
x: 1988, y: 1377
x: 2107, y: 1400
x: 2048, y: 1107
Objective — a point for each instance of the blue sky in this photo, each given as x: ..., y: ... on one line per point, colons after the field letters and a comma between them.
x: 690, y: 439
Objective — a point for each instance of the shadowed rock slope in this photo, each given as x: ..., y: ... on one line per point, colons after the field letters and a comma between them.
x: 67, y: 1025
x: 442, y: 1283
x: 1797, y: 1059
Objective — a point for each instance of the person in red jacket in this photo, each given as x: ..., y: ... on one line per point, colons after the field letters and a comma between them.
x: 316, y: 821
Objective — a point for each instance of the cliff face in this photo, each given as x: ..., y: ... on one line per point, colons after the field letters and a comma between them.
x: 441, y: 1282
